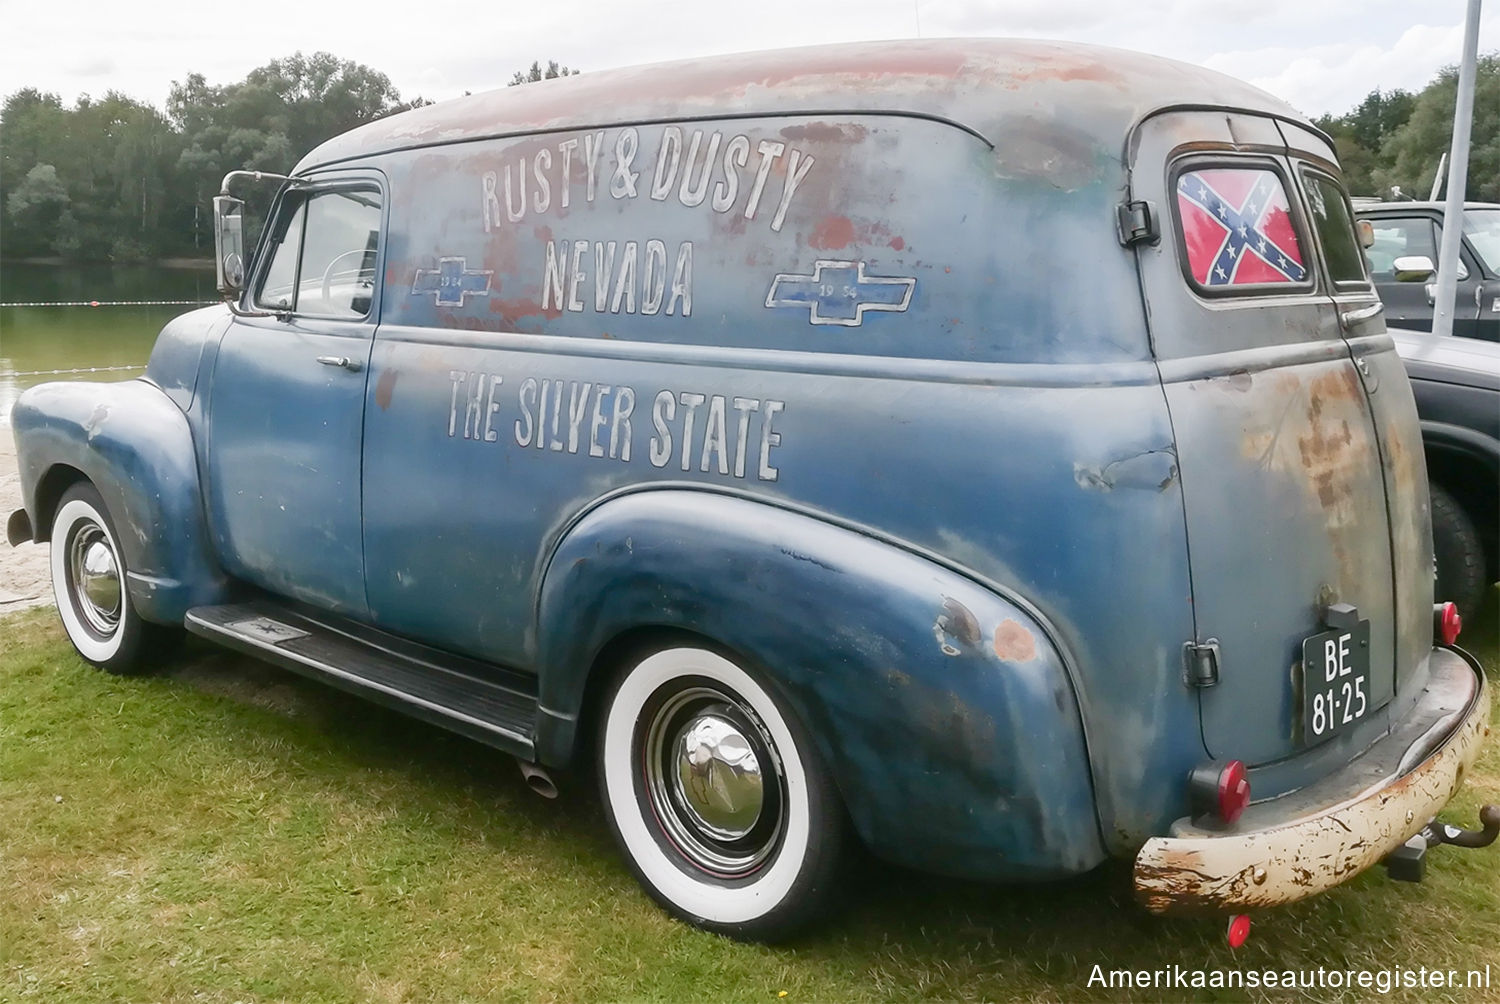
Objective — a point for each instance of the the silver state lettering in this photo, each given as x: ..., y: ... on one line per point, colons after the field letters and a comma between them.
x: 525, y: 396
x: 541, y: 415
x: 769, y: 439
x: 458, y: 377
x: 619, y: 428
x: 578, y: 405
x: 473, y: 401
x: 690, y: 402
x: 492, y: 406
x: 663, y: 410
x: 714, y: 436
x: 554, y: 437
x: 745, y: 406
x: 596, y: 449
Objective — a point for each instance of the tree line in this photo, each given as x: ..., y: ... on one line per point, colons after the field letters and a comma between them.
x: 114, y: 179
x: 1396, y: 139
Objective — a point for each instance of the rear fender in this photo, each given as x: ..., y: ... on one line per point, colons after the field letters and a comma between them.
x: 943, y: 709
x: 136, y: 447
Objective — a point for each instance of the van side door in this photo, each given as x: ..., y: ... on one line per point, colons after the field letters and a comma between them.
x: 285, y: 411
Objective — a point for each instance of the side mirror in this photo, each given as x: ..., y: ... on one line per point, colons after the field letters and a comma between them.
x: 1413, y: 268
x: 229, y: 244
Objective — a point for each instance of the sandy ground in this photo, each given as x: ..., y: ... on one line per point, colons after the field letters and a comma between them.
x: 24, y: 578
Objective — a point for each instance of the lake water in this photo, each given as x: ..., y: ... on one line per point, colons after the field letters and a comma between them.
x: 35, y: 340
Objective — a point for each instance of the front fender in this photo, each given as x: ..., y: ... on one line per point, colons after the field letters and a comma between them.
x: 943, y: 709
x: 135, y: 445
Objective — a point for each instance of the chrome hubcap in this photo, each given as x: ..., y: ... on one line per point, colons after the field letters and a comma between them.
x: 713, y: 781
x: 718, y: 777
x: 95, y: 579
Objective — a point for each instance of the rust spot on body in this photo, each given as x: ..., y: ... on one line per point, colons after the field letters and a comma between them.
x: 1013, y: 642
x: 385, y: 387
x: 832, y: 232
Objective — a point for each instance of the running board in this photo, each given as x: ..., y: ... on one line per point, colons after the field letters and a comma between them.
x: 497, y: 708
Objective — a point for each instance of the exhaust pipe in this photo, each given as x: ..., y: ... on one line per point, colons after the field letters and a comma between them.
x: 537, y: 779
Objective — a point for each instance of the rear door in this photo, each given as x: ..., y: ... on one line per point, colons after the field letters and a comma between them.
x: 1280, y: 462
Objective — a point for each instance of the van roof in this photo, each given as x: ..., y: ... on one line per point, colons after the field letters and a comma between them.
x: 1086, y: 96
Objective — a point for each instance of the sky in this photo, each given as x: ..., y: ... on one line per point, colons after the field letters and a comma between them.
x: 1319, y: 56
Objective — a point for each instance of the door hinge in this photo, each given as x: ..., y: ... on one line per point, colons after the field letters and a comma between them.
x: 1137, y: 223
x: 1201, y: 663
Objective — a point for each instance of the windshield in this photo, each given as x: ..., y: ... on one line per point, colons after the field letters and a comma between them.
x: 1482, y: 227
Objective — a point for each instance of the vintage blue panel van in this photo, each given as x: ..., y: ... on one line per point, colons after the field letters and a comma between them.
x: 987, y: 451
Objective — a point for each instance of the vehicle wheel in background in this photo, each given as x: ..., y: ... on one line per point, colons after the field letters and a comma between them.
x: 718, y: 797
x: 1459, y: 552
x: 88, y: 582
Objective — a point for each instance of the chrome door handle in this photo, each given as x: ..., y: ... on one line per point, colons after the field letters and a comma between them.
x: 343, y: 361
x: 1362, y: 314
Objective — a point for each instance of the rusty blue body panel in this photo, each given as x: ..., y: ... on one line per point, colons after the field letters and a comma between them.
x: 135, y: 444
x: 836, y: 359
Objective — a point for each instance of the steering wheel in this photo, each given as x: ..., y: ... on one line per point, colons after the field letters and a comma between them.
x: 328, y: 273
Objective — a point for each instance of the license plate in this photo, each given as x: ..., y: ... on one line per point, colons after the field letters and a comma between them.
x: 1335, y: 682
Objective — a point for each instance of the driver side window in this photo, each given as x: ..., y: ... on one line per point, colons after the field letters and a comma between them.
x: 323, y: 258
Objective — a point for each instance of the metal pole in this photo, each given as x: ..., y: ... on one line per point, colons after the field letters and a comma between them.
x: 1458, y: 180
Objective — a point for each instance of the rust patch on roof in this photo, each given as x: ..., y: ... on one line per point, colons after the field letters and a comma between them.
x: 826, y: 132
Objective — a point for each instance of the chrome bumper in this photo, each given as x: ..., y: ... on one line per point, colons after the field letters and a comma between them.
x: 1301, y: 844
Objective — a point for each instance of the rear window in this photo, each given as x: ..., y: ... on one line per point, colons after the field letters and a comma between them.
x: 1335, y: 226
x: 1238, y: 235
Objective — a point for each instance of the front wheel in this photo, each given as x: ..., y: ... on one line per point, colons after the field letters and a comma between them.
x: 718, y: 796
x: 88, y: 582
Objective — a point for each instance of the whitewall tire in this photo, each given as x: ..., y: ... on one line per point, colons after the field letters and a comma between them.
x: 88, y: 582
x: 718, y: 796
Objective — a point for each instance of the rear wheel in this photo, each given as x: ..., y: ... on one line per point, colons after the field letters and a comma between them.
x: 1459, y: 553
x: 718, y: 797
x: 88, y: 582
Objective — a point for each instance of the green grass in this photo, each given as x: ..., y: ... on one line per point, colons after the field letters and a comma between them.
x: 228, y: 832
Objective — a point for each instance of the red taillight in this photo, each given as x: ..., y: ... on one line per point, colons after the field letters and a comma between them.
x: 1239, y: 930
x: 1446, y: 623
x: 1234, y: 791
x: 1218, y: 791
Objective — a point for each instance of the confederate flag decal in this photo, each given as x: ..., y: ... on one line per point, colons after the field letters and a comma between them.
x: 1237, y: 228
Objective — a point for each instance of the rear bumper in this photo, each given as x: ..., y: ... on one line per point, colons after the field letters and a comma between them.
x: 1301, y: 844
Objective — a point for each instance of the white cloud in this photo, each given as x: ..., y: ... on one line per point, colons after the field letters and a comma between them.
x: 1336, y: 77
x: 1321, y: 57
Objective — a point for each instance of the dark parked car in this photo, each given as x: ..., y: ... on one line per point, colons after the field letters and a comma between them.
x: 1403, y: 260
x: 1457, y: 386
